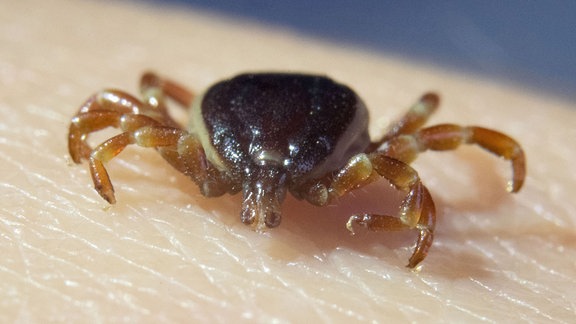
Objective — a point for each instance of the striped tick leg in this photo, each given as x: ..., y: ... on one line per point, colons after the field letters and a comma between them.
x: 146, y: 123
x: 449, y: 137
x: 417, y: 210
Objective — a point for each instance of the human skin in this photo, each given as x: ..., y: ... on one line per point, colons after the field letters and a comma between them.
x: 164, y: 252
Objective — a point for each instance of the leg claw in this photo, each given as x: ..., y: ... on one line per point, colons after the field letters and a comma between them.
x: 361, y: 220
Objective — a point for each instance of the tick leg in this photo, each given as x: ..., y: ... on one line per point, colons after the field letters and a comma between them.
x: 155, y: 89
x: 194, y: 163
x: 94, y: 120
x: 412, y: 121
x: 150, y: 136
x: 417, y: 210
x: 449, y: 137
x: 190, y: 158
x: 153, y: 86
x: 104, y: 109
x: 112, y: 100
x: 100, y: 111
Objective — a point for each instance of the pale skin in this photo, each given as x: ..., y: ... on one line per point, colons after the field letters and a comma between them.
x: 164, y: 252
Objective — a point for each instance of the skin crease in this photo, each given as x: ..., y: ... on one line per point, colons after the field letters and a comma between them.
x: 165, y: 253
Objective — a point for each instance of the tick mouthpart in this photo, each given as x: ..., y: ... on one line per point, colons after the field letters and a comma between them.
x: 264, y: 193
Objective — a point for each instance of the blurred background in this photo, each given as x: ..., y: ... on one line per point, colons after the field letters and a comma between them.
x: 528, y: 42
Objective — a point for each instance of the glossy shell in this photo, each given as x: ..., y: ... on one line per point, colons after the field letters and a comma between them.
x: 306, y: 125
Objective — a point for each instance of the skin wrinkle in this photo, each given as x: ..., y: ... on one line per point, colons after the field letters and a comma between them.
x: 165, y: 253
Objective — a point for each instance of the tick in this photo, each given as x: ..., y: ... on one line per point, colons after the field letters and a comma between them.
x: 266, y: 134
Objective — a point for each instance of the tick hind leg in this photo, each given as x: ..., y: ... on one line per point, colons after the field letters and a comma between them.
x: 449, y: 137
x: 417, y: 210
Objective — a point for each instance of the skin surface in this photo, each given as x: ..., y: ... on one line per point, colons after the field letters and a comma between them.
x: 165, y: 253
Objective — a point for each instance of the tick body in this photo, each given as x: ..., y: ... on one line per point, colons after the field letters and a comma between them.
x: 267, y: 134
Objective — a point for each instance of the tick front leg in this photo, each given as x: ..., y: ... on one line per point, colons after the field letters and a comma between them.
x: 91, y: 121
x: 417, y: 210
x: 146, y: 136
x: 449, y: 137
x: 425, y: 226
x: 100, y: 111
x: 193, y: 162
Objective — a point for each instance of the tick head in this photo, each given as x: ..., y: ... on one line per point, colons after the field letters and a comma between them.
x: 264, y: 191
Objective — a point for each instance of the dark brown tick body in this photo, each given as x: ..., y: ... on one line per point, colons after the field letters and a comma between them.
x: 264, y: 134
